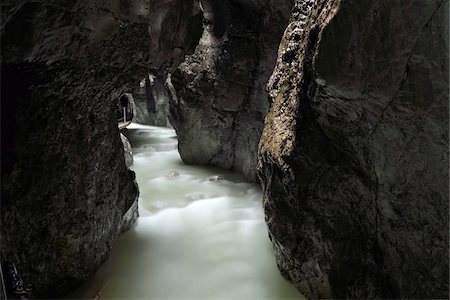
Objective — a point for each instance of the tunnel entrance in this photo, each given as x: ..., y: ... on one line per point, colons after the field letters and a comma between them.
x: 125, y: 111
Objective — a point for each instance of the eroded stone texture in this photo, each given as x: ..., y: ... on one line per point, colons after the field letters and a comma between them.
x: 66, y: 192
x: 128, y: 152
x: 219, y: 100
x: 151, y: 101
x: 354, y: 155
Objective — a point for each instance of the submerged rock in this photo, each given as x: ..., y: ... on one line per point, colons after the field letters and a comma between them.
x: 216, y: 178
x: 173, y: 174
x: 195, y: 196
x: 354, y: 154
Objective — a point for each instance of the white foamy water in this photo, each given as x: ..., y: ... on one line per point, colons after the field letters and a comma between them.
x: 196, y: 237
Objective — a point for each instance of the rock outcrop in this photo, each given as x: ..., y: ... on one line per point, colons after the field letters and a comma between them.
x: 151, y: 101
x: 66, y: 192
x: 220, y: 100
x: 354, y: 154
x: 127, y: 151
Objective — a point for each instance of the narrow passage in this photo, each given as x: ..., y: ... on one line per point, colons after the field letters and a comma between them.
x: 200, y: 234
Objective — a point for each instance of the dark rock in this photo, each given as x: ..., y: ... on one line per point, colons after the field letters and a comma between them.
x: 66, y: 191
x: 218, y: 98
x: 354, y: 154
x: 152, y: 102
x: 12, y: 285
x: 216, y: 178
x: 174, y: 31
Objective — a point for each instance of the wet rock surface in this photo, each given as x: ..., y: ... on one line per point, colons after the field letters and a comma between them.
x: 151, y: 102
x: 218, y: 100
x: 173, y: 174
x: 66, y: 191
x: 353, y: 158
x: 354, y: 155
x: 127, y: 152
x: 216, y: 178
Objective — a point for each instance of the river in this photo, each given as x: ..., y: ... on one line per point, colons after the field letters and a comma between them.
x: 200, y: 234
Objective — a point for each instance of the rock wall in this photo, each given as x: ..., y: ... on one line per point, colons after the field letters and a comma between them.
x: 66, y: 192
x: 219, y: 100
x: 353, y: 158
x: 127, y: 150
x: 354, y: 154
x: 151, y: 101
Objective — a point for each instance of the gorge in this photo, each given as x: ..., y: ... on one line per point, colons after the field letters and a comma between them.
x: 337, y: 108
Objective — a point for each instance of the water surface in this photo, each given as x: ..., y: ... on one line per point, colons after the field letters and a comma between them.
x: 200, y: 234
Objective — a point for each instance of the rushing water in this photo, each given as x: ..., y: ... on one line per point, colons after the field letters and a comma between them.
x: 200, y: 234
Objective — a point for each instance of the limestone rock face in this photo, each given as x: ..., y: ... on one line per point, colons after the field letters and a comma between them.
x: 354, y: 154
x: 128, y: 152
x: 152, y: 102
x: 219, y: 97
x: 66, y: 191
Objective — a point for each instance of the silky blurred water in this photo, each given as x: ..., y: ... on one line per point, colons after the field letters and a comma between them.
x: 196, y: 237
